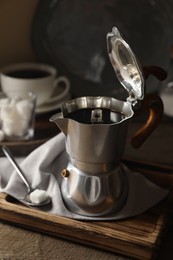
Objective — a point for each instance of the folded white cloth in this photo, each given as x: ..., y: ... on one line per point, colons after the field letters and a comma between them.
x: 42, y: 169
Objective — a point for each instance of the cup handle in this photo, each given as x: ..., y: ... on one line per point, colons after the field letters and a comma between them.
x: 154, y: 106
x: 65, y: 91
x: 63, y: 80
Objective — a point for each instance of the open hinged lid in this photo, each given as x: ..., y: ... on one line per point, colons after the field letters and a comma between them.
x: 125, y: 65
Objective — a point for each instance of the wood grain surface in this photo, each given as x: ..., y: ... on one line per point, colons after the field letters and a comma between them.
x: 138, y: 237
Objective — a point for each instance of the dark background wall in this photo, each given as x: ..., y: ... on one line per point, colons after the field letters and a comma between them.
x: 71, y: 35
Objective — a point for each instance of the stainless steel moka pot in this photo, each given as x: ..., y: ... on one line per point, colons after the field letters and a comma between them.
x: 96, y: 131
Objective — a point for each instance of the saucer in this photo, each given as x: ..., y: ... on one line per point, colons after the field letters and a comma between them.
x: 59, y: 96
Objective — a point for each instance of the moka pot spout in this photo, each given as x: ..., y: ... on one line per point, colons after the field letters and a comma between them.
x: 60, y: 121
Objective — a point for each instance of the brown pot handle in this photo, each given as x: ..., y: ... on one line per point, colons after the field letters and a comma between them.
x: 154, y: 106
x: 156, y: 71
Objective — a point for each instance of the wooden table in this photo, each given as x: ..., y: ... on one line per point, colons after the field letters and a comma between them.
x: 19, y: 243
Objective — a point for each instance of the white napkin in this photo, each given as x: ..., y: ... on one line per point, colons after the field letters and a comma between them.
x: 42, y: 169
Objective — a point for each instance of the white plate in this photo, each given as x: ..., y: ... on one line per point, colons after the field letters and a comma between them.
x: 60, y: 95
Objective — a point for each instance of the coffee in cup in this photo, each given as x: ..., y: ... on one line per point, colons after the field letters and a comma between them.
x: 38, y: 78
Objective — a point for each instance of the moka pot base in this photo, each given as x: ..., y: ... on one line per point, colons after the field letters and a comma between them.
x: 95, y: 193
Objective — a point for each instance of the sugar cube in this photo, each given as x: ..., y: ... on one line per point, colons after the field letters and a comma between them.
x: 24, y: 108
x: 38, y: 196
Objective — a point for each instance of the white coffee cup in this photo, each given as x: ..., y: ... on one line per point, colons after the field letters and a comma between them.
x: 38, y: 78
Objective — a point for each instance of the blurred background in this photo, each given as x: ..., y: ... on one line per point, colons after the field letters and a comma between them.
x: 15, y: 25
x: 71, y: 35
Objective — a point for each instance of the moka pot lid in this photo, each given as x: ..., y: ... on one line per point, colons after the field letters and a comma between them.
x: 126, y: 66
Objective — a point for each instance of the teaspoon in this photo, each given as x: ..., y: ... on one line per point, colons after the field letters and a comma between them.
x: 27, y: 199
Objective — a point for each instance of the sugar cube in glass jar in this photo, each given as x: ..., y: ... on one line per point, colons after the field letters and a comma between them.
x: 17, y: 115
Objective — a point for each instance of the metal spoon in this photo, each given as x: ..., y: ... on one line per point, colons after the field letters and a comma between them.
x: 26, y: 200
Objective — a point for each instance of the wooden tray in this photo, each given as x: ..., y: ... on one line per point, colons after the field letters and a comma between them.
x: 139, y: 237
